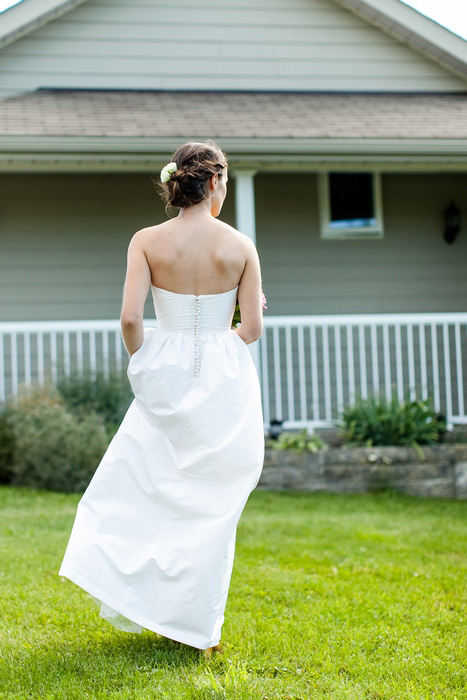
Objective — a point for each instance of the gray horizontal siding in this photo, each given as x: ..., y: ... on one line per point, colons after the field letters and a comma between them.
x: 302, y: 45
x: 322, y: 70
x: 64, y: 240
x: 237, y: 49
x: 411, y: 269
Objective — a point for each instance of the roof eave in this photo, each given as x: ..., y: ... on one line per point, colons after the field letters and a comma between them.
x: 26, y: 154
x: 410, y: 27
x: 29, y: 15
x: 100, y: 145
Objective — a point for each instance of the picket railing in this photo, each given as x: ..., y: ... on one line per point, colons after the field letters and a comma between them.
x: 310, y: 366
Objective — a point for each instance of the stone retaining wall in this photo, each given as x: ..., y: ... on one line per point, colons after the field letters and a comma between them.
x: 442, y: 472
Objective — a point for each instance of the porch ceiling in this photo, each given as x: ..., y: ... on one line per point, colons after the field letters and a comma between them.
x: 262, y: 128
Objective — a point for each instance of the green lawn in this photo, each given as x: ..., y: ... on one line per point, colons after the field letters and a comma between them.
x: 333, y: 596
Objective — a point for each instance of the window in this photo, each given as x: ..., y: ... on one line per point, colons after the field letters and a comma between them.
x: 350, y: 205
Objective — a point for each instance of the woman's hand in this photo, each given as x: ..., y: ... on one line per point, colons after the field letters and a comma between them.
x: 133, y: 336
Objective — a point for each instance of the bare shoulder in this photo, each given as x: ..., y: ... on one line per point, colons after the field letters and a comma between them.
x: 243, y: 240
x: 147, y: 234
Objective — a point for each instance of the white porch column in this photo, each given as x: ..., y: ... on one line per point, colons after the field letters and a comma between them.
x: 245, y: 222
x: 245, y: 203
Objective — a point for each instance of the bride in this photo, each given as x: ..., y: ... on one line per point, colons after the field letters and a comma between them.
x: 154, y: 535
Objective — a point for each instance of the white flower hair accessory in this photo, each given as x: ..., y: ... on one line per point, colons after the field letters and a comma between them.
x: 167, y: 171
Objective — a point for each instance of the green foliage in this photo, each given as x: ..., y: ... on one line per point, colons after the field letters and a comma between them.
x: 299, y: 441
x: 54, y: 437
x: 7, y: 448
x: 236, y: 316
x: 108, y: 396
x: 377, y: 421
x: 51, y: 447
x: 458, y: 435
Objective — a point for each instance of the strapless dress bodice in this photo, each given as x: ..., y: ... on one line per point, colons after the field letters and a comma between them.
x: 196, y: 313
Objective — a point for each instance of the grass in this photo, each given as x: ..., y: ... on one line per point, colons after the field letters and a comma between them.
x: 333, y: 596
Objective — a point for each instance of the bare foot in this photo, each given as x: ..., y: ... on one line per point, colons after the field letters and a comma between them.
x: 212, y: 650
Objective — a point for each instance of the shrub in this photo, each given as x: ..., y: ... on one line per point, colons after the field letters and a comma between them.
x: 376, y: 421
x: 107, y: 396
x: 7, y: 448
x: 300, y: 442
x: 458, y: 435
x: 53, y: 448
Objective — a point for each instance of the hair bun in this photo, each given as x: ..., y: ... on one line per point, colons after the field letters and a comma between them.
x: 197, y: 162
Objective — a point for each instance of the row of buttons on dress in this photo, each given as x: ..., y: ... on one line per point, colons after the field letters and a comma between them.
x: 197, y: 359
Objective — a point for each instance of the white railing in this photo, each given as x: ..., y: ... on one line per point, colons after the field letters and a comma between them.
x: 310, y: 366
x: 38, y: 351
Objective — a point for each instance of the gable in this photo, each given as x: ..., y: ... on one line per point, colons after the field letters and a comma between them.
x: 285, y: 45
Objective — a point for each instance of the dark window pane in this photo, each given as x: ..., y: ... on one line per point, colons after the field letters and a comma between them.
x: 351, y: 199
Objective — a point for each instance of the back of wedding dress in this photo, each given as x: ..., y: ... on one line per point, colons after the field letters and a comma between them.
x: 154, y: 536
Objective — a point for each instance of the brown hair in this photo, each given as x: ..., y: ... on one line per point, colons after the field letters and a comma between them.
x: 196, y: 163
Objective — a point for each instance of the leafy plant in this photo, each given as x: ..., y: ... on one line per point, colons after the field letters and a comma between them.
x: 300, y: 442
x: 377, y: 421
x: 107, y: 396
x: 7, y: 448
x: 51, y: 447
x: 458, y: 435
x: 236, y: 316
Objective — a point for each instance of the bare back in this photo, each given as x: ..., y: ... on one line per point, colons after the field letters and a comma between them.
x: 207, y: 257
x: 192, y: 254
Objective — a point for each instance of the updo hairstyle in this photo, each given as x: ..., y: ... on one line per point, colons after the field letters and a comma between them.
x: 196, y: 163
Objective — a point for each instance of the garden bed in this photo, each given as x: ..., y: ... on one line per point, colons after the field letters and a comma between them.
x: 442, y: 472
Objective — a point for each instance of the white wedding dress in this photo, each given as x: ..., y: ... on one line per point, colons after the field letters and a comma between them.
x: 154, y: 535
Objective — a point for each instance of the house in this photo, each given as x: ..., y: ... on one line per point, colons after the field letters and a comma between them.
x: 345, y: 122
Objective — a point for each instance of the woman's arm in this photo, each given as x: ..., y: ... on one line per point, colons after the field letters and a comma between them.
x: 135, y: 291
x: 250, y: 296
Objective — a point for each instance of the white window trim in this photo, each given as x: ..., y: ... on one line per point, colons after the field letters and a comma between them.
x: 366, y: 232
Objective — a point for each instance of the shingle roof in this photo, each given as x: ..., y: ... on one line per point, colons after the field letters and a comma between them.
x: 234, y: 114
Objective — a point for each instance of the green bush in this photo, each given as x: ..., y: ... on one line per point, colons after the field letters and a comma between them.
x: 377, y: 421
x: 458, y: 435
x: 7, y: 448
x: 53, y: 448
x: 110, y: 396
x: 300, y: 442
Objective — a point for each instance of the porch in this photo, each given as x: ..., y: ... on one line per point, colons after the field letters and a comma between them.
x: 310, y: 367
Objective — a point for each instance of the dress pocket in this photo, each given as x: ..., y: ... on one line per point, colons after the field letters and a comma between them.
x: 136, y: 351
x: 145, y: 339
x: 239, y: 338
x: 148, y: 334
